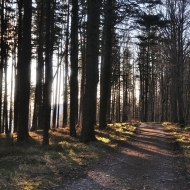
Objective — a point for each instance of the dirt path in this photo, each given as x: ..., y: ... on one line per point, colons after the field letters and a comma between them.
x: 149, y: 161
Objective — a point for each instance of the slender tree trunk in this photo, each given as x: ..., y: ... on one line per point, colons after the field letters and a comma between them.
x: 113, y: 105
x: 37, y: 114
x: 146, y: 87
x: 5, y: 106
x: 59, y: 93
x: 134, y: 97
x: 65, y: 98
x: 48, y: 73
x: 16, y: 101
x: 180, y: 74
x: 54, y: 115
x: 17, y: 66
x: 83, y: 48
x: 163, y: 101
x: 11, y: 92
x: 3, y: 50
x: 74, y: 69
x: 55, y: 105
x: 109, y: 102
x: 125, y: 97
x: 118, y: 105
x: 152, y: 92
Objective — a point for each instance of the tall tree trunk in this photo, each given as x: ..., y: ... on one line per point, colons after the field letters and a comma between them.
x: 17, y: 72
x: 74, y: 69
x: 118, y: 105
x: 134, y: 97
x: 152, y: 92
x: 109, y: 102
x: 16, y: 95
x: 89, y: 105
x: 37, y: 114
x: 48, y: 72
x: 59, y: 93
x: 65, y: 98
x: 55, y: 115
x: 24, y: 74
x: 106, y: 64
x: 5, y: 106
x: 83, y: 48
x: 113, y: 105
x: 162, y: 99
x: 125, y: 97
x: 3, y: 51
x: 11, y: 92
x: 55, y: 104
x: 180, y: 73
x: 146, y: 87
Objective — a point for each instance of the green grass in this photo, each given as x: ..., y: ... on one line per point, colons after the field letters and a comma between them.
x: 33, y: 166
x: 182, y: 138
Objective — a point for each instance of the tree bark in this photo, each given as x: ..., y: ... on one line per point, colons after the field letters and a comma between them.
x: 48, y: 71
x: 74, y: 69
x: 106, y: 64
x: 65, y: 98
x: 37, y: 114
x: 89, y: 104
x: 24, y: 74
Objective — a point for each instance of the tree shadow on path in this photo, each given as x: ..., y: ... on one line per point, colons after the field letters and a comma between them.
x: 147, y: 161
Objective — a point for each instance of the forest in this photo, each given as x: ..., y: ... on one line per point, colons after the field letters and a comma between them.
x: 94, y: 94
x: 89, y: 63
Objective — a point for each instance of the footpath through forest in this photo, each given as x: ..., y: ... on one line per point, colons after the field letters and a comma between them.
x: 150, y: 160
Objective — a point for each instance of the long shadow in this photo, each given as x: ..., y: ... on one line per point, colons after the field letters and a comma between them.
x: 127, y: 167
x: 147, y: 139
x: 152, y: 138
x: 150, y: 143
x: 158, y: 139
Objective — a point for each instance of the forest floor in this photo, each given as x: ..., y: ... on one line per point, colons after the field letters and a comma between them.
x: 125, y: 157
x: 31, y: 165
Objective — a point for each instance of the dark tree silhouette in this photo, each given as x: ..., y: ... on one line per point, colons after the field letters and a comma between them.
x: 24, y: 73
x: 106, y: 61
x: 74, y: 69
x: 92, y: 52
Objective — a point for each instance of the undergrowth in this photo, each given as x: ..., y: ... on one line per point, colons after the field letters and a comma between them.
x: 33, y: 166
